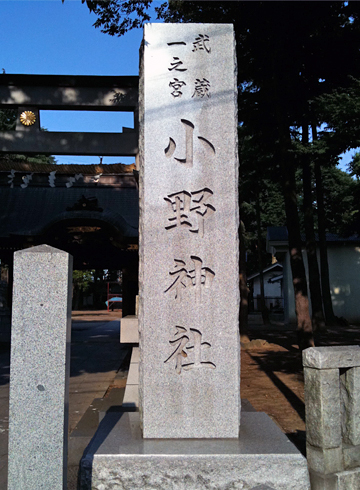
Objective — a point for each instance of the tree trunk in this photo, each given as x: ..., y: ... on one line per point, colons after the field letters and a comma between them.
x: 304, y: 326
x: 264, y: 309
x: 76, y: 298
x: 318, y: 320
x: 244, y: 292
x: 324, y: 266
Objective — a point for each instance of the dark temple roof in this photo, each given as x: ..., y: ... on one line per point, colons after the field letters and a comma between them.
x: 280, y: 234
x: 115, y: 168
x: 32, y: 210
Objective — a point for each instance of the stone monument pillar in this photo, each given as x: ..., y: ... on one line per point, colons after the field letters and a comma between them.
x: 40, y: 364
x: 189, y: 293
x: 187, y: 432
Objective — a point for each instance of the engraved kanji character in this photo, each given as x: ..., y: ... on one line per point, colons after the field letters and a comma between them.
x: 202, y: 88
x: 175, y: 65
x: 177, y: 42
x: 201, y: 277
x: 189, y: 143
x: 197, y: 278
x: 179, y: 204
x: 202, y: 208
x: 180, y: 343
x: 176, y: 85
x: 190, y: 209
x: 201, y: 42
x: 181, y: 340
x: 182, y: 279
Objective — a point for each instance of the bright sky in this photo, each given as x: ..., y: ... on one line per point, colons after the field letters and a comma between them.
x: 51, y: 37
x: 347, y: 157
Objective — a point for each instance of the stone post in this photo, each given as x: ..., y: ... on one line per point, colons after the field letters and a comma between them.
x: 40, y: 363
x: 186, y: 433
x: 189, y: 250
x: 332, y: 404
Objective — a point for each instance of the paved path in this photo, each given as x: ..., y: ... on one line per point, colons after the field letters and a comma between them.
x: 271, y: 375
x: 96, y: 355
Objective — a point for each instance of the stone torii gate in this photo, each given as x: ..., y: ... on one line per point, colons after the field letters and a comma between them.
x: 30, y: 94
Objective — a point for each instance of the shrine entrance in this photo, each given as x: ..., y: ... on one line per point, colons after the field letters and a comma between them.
x: 89, y: 211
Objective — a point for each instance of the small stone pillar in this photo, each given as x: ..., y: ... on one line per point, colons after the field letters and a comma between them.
x: 332, y: 404
x: 40, y: 364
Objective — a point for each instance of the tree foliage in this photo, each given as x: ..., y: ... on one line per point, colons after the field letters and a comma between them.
x: 82, y: 280
x: 298, y: 68
x: 340, y: 111
x: 8, y: 123
x: 116, y: 17
x: 8, y: 119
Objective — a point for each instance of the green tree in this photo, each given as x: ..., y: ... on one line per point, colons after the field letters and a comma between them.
x: 339, y: 110
x: 8, y: 119
x: 261, y: 205
x: 8, y: 123
x: 289, y: 54
x: 82, y: 282
x: 340, y: 201
x: 116, y: 17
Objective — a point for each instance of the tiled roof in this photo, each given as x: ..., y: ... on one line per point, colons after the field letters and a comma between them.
x: 280, y: 234
x: 277, y: 233
x: 272, y: 267
x: 33, y: 210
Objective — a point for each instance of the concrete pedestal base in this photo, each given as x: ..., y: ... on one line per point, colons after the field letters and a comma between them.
x: 118, y: 458
x: 343, y: 480
x: 129, y: 330
x: 131, y: 397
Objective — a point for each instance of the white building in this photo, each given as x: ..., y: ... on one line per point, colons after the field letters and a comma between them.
x: 272, y: 287
x: 344, y: 272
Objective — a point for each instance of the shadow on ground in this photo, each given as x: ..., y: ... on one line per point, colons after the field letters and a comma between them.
x: 274, y: 374
x: 95, y: 345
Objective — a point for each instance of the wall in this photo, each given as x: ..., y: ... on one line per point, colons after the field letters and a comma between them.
x: 271, y: 290
x: 344, y: 267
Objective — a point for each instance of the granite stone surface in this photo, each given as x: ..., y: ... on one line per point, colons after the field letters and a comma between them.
x: 322, y: 407
x: 333, y: 357
x: 129, y: 330
x: 262, y: 487
x: 323, y: 482
x: 131, y: 397
x: 351, y: 456
x: 188, y: 276
x: 39, y: 375
x: 350, y: 390
x: 262, y: 458
x: 344, y: 480
x: 325, y: 461
x: 349, y: 480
